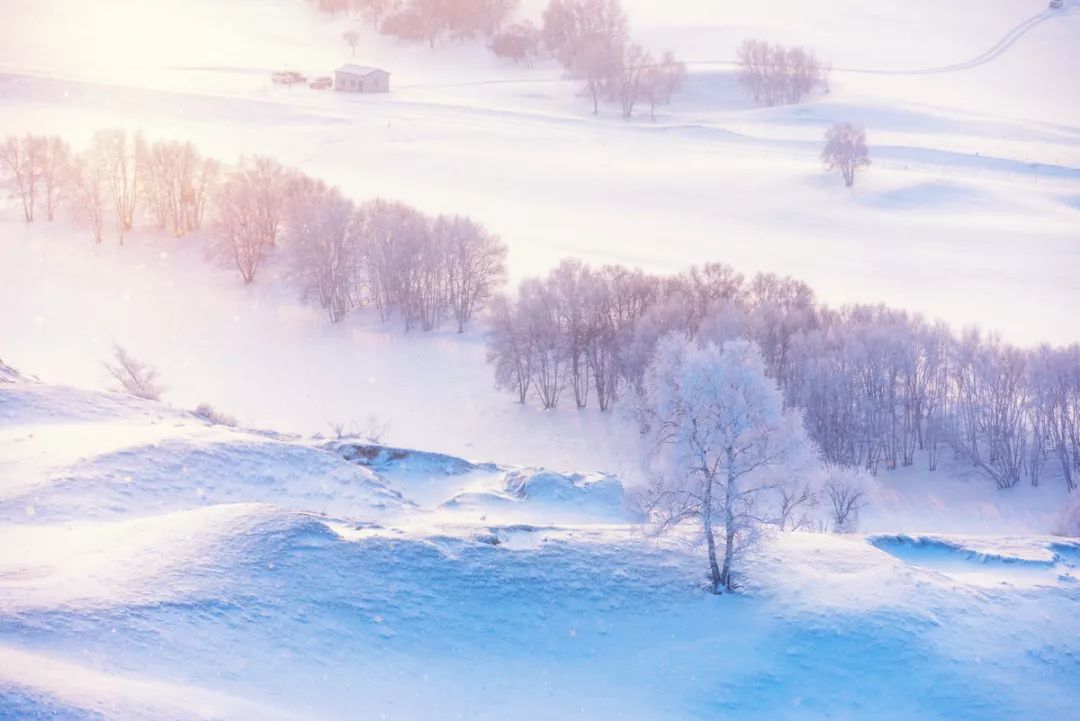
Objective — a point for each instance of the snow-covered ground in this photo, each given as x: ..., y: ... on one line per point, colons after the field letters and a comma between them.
x: 156, y: 567
x: 970, y: 213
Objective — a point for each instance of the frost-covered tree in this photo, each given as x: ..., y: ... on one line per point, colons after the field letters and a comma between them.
x: 406, y: 270
x: 475, y: 264
x: 543, y: 323
x: 510, y: 348
x: 718, y: 434
x: 250, y: 213
x: 323, y: 236
x: 845, y: 151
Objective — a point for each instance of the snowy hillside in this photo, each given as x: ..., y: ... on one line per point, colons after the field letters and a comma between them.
x: 359, y: 524
x: 158, y: 567
x: 969, y: 212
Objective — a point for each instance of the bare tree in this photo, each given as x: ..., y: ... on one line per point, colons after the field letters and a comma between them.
x: 543, y: 326
x: 55, y: 171
x: 846, y: 491
x: 251, y: 207
x: 631, y: 77
x: 845, y: 151
x: 597, y: 61
x: 21, y: 158
x: 88, y: 182
x: 475, y: 264
x: 134, y: 376
x: 510, y: 348
x: 662, y: 81
x: 176, y: 182
x: 351, y: 38
x: 119, y: 158
x: 324, y: 234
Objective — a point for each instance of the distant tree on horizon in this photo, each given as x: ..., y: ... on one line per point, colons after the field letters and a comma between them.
x: 351, y: 38
x: 845, y: 151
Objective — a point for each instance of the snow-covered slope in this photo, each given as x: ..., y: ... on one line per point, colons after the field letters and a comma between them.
x: 156, y: 567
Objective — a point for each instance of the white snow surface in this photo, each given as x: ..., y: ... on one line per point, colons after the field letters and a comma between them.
x: 153, y: 566
x: 157, y: 567
x: 970, y: 212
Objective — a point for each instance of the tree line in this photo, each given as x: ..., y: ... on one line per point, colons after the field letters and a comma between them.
x: 589, y: 38
x: 776, y: 75
x: 337, y: 253
x: 874, y: 385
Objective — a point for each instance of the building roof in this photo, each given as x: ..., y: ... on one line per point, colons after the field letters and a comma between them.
x: 363, y: 70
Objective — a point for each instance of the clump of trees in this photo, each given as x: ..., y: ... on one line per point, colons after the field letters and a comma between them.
x: 249, y: 216
x: 519, y: 42
x: 34, y: 170
x: 426, y: 20
x: 776, y: 75
x: 590, y: 39
x: 574, y: 329
x: 878, y: 388
x: 390, y: 256
x: 340, y: 255
x: 176, y: 183
x: 845, y: 151
x: 587, y: 37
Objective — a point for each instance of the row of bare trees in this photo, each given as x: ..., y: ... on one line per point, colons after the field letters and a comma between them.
x: 343, y: 256
x: 877, y: 387
x: 390, y: 256
x: 425, y: 20
x: 110, y: 180
x: 776, y: 75
x: 591, y: 40
x: 340, y: 255
x: 34, y: 169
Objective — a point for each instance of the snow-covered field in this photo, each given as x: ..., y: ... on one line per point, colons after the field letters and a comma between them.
x: 955, y: 219
x: 155, y: 567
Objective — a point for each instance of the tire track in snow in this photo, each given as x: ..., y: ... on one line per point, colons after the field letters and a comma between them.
x: 999, y: 48
x: 993, y: 53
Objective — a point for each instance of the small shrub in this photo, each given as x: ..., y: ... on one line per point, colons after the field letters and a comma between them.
x: 211, y: 415
x: 135, y: 377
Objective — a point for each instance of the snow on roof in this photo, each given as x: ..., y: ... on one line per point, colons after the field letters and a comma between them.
x: 353, y: 69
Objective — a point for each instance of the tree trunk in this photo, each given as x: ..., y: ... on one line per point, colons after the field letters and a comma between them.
x: 729, y: 523
x: 714, y: 568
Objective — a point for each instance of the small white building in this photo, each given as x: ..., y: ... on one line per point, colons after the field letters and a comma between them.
x: 361, y: 79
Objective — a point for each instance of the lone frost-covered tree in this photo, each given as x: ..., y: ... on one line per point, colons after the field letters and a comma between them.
x: 718, y: 438
x: 845, y: 151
